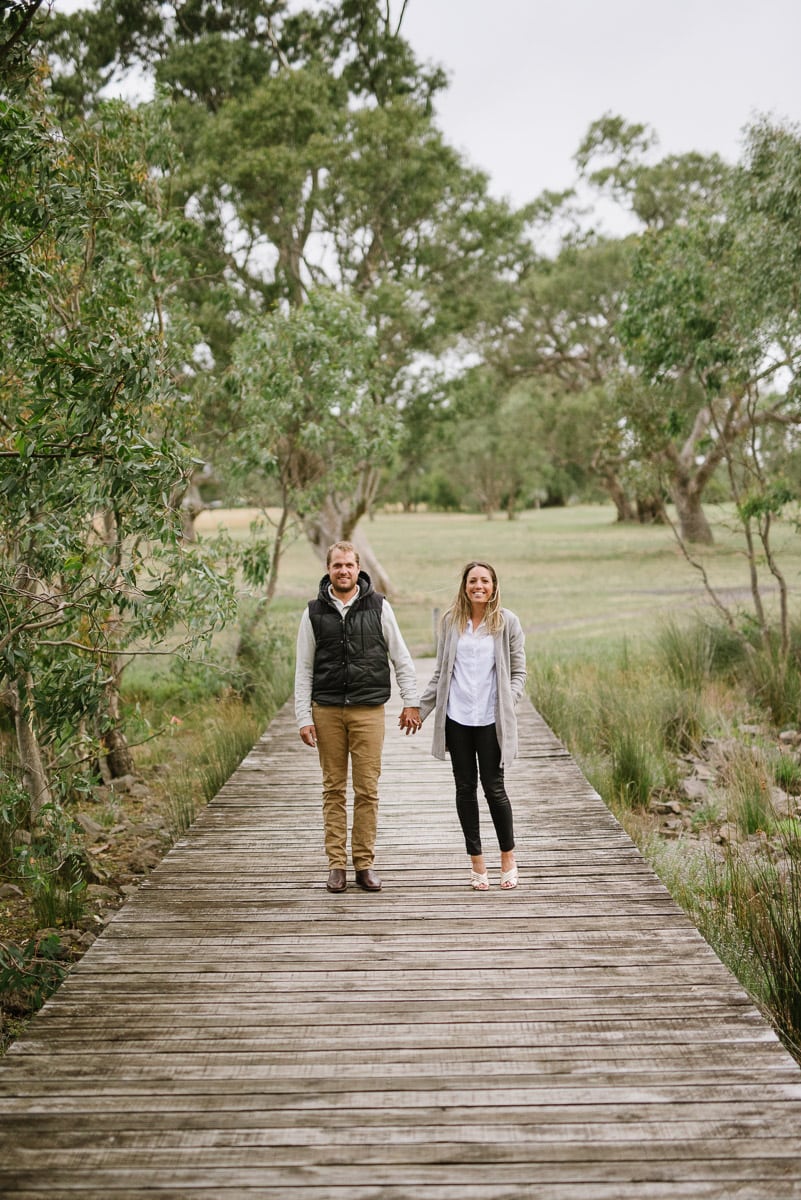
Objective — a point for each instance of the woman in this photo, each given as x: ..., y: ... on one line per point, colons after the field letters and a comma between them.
x: 479, y: 677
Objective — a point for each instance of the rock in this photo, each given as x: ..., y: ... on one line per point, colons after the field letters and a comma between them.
x: 92, y: 828
x: 98, y: 891
x: 781, y: 801
x: 790, y: 737
x: 695, y: 788
x: 123, y: 784
x: 9, y: 890
x: 666, y: 806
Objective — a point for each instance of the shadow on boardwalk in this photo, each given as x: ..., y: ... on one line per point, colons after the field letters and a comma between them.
x: 238, y: 1031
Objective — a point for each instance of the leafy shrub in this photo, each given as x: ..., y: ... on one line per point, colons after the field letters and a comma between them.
x: 30, y: 973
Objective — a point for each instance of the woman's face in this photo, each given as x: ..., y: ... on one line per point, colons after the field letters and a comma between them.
x: 478, y: 586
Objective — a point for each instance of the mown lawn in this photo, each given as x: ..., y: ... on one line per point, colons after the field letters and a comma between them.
x: 577, y: 579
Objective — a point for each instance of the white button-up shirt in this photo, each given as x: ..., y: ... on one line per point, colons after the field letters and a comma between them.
x: 473, y: 694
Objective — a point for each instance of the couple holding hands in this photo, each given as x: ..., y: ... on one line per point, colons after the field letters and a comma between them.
x: 347, y: 638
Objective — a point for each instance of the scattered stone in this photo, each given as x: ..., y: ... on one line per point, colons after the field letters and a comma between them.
x: 98, y: 891
x: 666, y: 806
x: 92, y: 828
x: 7, y: 890
x: 781, y: 801
x: 695, y: 788
x: 123, y: 784
x: 145, y: 858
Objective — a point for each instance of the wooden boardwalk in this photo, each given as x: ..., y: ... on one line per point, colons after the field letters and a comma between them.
x: 237, y: 1031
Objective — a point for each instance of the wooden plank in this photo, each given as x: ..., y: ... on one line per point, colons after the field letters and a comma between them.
x: 237, y: 1031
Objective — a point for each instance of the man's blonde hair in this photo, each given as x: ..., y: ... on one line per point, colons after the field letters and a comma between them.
x: 346, y: 548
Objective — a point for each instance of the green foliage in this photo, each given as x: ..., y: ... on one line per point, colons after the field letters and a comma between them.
x: 633, y: 774
x: 311, y: 161
x: 787, y: 773
x: 763, y: 899
x: 696, y: 651
x: 30, y: 973
x: 775, y: 684
x: 309, y: 411
x: 53, y: 868
x: 747, y: 782
x: 619, y: 723
x: 15, y: 806
x: 684, y: 720
x: 91, y: 556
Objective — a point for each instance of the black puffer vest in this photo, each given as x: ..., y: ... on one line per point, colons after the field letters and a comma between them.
x: 351, y: 664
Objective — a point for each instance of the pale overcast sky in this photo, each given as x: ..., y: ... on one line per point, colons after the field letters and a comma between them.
x: 529, y: 77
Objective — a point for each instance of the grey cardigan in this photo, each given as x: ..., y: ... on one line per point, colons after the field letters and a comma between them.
x: 510, y: 668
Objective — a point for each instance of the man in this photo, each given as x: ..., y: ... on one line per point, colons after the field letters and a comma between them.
x: 348, y: 635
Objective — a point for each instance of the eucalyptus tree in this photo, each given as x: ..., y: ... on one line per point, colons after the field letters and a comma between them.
x: 561, y: 340
x: 304, y: 395
x: 91, y: 449
x: 313, y: 160
x: 618, y: 159
x: 712, y: 323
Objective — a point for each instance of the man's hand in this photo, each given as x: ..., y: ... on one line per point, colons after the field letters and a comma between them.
x: 308, y: 734
x: 410, y: 720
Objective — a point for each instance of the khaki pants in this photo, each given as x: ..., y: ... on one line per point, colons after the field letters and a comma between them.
x: 356, y: 732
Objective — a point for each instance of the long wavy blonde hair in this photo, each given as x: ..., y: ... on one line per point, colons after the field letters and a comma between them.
x: 461, y: 610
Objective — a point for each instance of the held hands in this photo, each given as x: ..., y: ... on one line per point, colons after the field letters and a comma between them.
x: 409, y: 720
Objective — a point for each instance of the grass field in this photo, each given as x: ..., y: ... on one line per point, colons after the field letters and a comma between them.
x: 576, y: 577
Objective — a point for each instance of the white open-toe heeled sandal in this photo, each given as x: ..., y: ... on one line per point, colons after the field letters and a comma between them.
x: 509, y: 879
x: 479, y: 883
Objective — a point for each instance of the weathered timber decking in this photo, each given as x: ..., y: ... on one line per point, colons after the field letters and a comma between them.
x: 237, y: 1031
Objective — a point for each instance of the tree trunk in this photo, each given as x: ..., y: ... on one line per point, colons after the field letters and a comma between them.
x: 331, y: 525
x: 30, y: 755
x: 612, y: 485
x: 369, y: 561
x: 119, y: 758
x: 651, y: 510
x: 693, y: 525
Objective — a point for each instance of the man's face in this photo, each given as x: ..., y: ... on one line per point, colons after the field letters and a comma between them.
x: 343, y: 571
